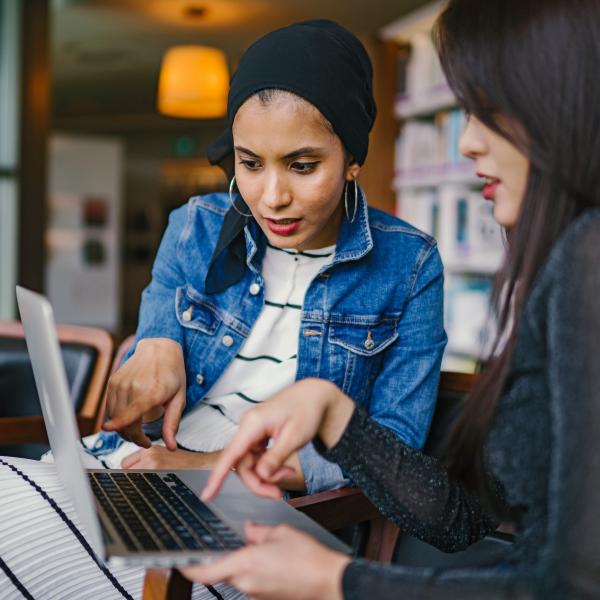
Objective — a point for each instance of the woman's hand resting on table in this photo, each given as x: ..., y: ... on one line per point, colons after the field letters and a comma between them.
x: 159, y: 457
x: 279, y: 563
x: 149, y: 385
x: 291, y: 419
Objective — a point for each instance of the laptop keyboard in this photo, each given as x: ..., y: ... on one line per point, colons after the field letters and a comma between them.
x: 159, y: 512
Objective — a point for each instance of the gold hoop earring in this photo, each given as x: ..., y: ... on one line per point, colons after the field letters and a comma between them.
x: 237, y: 210
x: 351, y: 220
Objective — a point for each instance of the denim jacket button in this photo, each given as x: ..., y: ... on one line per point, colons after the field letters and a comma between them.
x: 227, y: 341
x: 187, y: 315
x: 254, y: 289
x: 369, y: 343
x: 199, y: 379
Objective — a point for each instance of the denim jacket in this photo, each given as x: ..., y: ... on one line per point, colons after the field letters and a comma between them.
x: 372, y: 320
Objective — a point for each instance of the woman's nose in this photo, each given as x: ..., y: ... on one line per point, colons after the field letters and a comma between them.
x: 276, y: 194
x: 472, y: 143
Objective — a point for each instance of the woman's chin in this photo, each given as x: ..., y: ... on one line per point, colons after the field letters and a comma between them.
x: 505, y: 213
x: 284, y: 242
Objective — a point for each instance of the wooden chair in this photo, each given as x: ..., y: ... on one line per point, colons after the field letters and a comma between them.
x: 87, y: 353
x: 338, y: 509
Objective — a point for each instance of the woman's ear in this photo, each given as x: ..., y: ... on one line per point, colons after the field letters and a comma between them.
x: 352, y: 170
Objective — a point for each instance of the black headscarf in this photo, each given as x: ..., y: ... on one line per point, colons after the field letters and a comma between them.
x: 323, y: 63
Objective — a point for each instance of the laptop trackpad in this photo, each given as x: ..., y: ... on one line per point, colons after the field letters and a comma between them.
x: 235, y: 505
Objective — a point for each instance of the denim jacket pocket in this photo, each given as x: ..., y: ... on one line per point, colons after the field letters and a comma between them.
x: 194, y: 311
x: 363, y: 337
x: 357, y: 347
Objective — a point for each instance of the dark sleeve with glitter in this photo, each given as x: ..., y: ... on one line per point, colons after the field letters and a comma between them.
x: 410, y: 488
x: 415, y: 491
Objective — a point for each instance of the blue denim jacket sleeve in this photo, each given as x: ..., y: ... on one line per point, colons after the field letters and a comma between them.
x: 157, y: 317
x: 404, y: 393
x: 319, y: 473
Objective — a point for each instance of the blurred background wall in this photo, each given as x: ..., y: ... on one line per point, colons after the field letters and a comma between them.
x: 90, y: 168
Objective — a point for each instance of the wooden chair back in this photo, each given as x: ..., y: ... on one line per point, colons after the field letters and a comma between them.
x: 91, y: 350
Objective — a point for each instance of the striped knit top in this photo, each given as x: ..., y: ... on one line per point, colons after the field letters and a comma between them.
x: 266, y: 363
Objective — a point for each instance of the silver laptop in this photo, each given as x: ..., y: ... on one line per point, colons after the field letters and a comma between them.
x: 141, y: 517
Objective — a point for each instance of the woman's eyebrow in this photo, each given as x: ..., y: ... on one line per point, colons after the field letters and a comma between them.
x: 246, y: 151
x: 304, y: 151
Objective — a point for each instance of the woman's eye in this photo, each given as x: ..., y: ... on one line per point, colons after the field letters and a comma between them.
x: 304, y: 167
x: 251, y: 165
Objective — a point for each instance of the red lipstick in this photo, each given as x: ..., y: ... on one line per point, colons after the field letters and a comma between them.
x: 284, y: 227
x: 489, y: 187
x: 489, y: 190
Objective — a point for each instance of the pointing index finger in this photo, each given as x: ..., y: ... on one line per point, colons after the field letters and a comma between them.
x: 241, y: 444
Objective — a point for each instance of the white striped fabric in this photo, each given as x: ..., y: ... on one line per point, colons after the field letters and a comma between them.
x: 43, y: 551
x: 267, y: 362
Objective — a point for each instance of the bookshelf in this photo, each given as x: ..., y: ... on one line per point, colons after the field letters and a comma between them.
x: 425, y: 103
x: 436, y: 189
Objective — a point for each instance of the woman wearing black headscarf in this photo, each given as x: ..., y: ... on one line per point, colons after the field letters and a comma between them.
x: 274, y: 282
x: 288, y: 276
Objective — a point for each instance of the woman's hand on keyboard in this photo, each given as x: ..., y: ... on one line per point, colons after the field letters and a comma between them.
x: 151, y: 381
x: 279, y: 563
x: 271, y: 432
x: 159, y: 457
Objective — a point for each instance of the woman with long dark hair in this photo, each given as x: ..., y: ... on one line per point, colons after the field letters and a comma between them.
x: 526, y: 448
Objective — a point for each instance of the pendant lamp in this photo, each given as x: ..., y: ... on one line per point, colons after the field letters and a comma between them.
x: 193, y: 83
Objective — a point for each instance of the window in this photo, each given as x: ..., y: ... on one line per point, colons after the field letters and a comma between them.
x: 9, y: 152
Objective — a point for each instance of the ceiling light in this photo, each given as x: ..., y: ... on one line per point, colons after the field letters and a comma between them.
x: 193, y: 83
x: 194, y: 12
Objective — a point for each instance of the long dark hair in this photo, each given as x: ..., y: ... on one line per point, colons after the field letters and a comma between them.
x: 529, y: 70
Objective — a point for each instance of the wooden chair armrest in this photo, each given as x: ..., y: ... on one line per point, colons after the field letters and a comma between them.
x: 345, y: 507
x: 336, y: 509
x: 166, y: 584
x: 19, y: 430
x: 31, y: 430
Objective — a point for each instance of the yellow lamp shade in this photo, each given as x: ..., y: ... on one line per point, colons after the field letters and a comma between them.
x: 193, y: 83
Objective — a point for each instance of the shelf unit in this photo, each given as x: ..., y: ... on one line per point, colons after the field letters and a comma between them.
x: 435, y: 175
x: 436, y: 98
x: 437, y: 190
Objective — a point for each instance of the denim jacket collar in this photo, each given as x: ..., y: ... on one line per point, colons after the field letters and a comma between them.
x: 256, y: 245
x: 354, y: 241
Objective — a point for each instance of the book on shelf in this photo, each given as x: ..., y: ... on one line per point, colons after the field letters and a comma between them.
x: 403, y: 54
x: 472, y: 248
x: 424, y: 72
x: 466, y: 315
x: 431, y: 147
x: 469, y: 239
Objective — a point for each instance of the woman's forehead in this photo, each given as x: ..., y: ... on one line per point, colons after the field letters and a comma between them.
x: 284, y: 121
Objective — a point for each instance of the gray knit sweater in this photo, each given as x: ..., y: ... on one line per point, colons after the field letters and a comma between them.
x: 544, y: 448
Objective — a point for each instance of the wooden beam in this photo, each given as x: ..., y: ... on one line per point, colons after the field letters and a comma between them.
x: 377, y: 176
x: 35, y: 119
